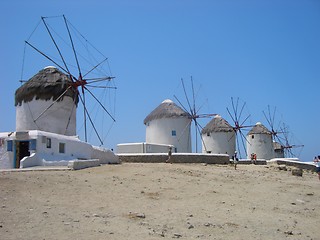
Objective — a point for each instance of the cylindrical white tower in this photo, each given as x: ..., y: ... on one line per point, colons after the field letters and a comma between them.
x: 47, y: 102
x: 259, y: 141
x: 169, y: 124
x: 218, y: 137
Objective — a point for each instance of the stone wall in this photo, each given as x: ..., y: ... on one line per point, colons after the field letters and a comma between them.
x: 302, y: 165
x: 176, y: 158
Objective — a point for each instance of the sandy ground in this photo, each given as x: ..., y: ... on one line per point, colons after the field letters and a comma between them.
x: 160, y: 201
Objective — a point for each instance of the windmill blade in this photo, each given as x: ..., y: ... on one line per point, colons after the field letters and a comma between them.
x: 193, y: 97
x: 101, y: 79
x: 73, y: 48
x: 199, y: 128
x: 186, y: 96
x: 181, y: 104
x: 184, y: 130
x: 83, y: 100
x: 235, y: 109
x: 266, y: 118
x: 103, y: 107
x: 94, y: 67
x: 243, y: 142
x: 50, y: 59
x: 240, y: 114
x: 243, y: 122
x: 69, y: 119
x: 55, y: 44
x: 58, y: 99
x: 231, y: 115
x: 89, y: 117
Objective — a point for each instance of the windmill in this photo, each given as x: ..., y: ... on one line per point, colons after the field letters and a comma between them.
x: 290, y: 150
x: 55, y: 41
x: 236, y: 113
x: 281, y: 135
x: 193, y: 110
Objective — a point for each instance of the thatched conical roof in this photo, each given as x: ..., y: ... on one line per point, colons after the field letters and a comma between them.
x: 259, y: 128
x: 167, y: 109
x: 217, y: 124
x: 48, y: 83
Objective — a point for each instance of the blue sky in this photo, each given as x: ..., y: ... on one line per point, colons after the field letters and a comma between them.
x: 264, y: 52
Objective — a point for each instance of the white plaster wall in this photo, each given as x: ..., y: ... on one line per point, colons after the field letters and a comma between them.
x: 55, y: 119
x: 219, y: 143
x: 74, y: 148
x: 159, y: 131
x: 143, y: 148
x: 261, y: 145
x: 130, y: 148
x: 104, y: 155
x: 5, y: 161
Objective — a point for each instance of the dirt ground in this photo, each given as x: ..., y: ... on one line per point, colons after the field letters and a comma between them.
x: 160, y: 201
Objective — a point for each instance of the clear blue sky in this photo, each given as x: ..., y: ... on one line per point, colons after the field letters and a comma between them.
x: 264, y: 52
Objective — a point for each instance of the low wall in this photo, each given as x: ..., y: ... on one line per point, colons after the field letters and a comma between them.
x: 81, y: 164
x: 302, y: 165
x: 258, y: 162
x: 175, y: 158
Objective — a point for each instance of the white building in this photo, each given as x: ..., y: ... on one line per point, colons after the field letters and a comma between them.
x: 38, y: 148
x: 47, y: 102
x: 169, y: 124
x: 46, y: 126
x: 218, y: 137
x: 259, y: 141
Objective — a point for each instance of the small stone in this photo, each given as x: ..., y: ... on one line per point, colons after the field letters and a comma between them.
x: 177, y: 235
x: 140, y: 215
x: 190, y: 226
x: 297, y: 172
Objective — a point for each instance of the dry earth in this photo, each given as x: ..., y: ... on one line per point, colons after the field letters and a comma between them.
x: 160, y: 201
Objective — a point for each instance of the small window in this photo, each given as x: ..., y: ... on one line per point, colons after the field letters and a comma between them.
x: 48, y: 142
x: 62, y: 147
x: 174, y: 133
x: 33, y: 144
x: 10, y: 146
x: 208, y: 134
x: 252, y: 136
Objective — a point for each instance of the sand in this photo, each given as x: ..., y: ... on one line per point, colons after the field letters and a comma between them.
x: 160, y: 201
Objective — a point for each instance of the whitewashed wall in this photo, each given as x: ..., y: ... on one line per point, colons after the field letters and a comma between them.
x: 159, y: 131
x: 54, y: 120
x: 143, y: 148
x: 261, y: 145
x: 219, y: 143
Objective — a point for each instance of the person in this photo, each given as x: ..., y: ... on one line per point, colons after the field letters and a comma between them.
x: 169, y: 155
x: 235, y: 160
x: 317, y: 162
x: 252, y: 158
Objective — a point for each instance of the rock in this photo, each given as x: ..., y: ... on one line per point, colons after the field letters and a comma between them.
x: 297, y: 172
x: 177, y: 235
x: 282, y: 167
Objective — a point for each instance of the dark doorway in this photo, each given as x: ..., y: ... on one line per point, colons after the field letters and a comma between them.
x: 22, y: 151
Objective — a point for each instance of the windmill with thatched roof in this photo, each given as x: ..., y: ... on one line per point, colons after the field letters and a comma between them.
x: 169, y: 124
x: 218, y: 137
x: 47, y: 102
x: 259, y: 141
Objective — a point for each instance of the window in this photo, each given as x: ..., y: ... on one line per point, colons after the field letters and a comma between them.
x: 208, y: 134
x: 252, y: 136
x: 33, y: 144
x: 10, y: 146
x: 174, y: 133
x: 62, y: 147
x: 48, y: 142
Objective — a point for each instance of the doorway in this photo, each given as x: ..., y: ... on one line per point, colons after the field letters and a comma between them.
x: 22, y: 150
